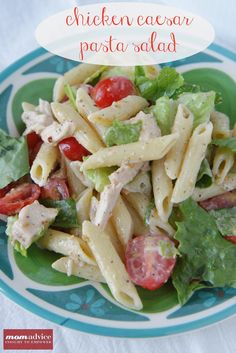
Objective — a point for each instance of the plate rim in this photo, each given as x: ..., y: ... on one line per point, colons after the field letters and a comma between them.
x: 29, y: 305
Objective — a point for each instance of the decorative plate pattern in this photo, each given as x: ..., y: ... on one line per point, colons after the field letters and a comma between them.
x: 81, y: 304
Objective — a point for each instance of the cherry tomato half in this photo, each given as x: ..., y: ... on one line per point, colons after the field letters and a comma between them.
x: 231, y: 238
x: 55, y: 189
x: 72, y: 149
x: 34, y: 143
x: 18, y: 198
x: 111, y: 89
x: 145, y: 262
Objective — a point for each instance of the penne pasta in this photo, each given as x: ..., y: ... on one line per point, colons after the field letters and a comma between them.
x: 76, y: 185
x: 193, y: 158
x: 121, y: 110
x: 68, y: 245
x: 84, y: 133
x: 86, y: 106
x: 75, y: 76
x: 83, y: 205
x: 111, y: 267
x: 222, y: 163
x: 162, y: 190
x: 122, y: 221
x: 221, y: 125
x: 78, y: 269
x: 183, y: 125
x: 44, y: 163
x: 140, y: 151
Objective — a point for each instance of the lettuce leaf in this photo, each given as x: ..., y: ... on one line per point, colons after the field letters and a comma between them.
x: 229, y: 142
x: 70, y: 92
x: 165, y: 84
x: 187, y: 87
x: 94, y: 78
x: 164, y: 111
x: 126, y: 71
x: 14, y: 159
x: 16, y: 244
x: 67, y: 215
x: 120, y: 133
x: 207, y: 259
x: 100, y: 176
x: 225, y: 220
x: 205, y: 177
x: 200, y: 104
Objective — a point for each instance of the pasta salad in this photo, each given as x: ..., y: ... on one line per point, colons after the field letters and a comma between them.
x: 130, y: 175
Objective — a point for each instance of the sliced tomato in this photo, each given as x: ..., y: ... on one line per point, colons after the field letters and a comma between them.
x: 19, y: 197
x: 226, y: 200
x: 147, y: 264
x: 55, y: 189
x: 34, y: 142
x: 72, y: 149
x: 231, y: 238
x: 111, y: 89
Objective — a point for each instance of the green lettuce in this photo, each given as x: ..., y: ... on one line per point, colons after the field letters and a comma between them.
x: 225, y: 220
x: 207, y: 259
x: 94, y: 78
x: 126, y: 71
x: 205, y: 177
x: 14, y: 159
x: 120, y: 133
x: 67, y: 215
x: 200, y: 104
x: 229, y: 142
x: 164, y: 111
x: 165, y: 84
x: 100, y: 177
x: 16, y: 244
x: 70, y: 92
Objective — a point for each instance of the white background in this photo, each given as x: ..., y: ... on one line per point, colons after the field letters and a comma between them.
x: 18, y: 20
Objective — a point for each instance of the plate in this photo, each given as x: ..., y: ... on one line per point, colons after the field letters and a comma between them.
x: 76, y: 303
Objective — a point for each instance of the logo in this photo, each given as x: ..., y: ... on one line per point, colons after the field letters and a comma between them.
x: 27, y: 339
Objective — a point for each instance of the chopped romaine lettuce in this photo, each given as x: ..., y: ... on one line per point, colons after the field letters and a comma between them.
x: 70, y: 92
x: 149, y: 209
x: 205, y: 177
x: 94, y: 78
x: 187, y: 87
x: 165, y: 84
x: 120, y: 133
x: 126, y: 71
x: 100, y: 176
x: 200, y: 104
x: 16, y: 245
x: 14, y: 159
x: 207, y: 259
x: 225, y: 220
x: 229, y: 142
x: 164, y: 111
x: 67, y: 215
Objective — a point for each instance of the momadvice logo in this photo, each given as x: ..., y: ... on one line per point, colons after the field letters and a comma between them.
x: 27, y: 339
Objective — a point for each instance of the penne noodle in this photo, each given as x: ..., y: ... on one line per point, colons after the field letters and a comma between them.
x: 68, y: 245
x: 44, y: 164
x: 78, y: 269
x: 221, y: 125
x: 72, y: 77
x: 123, y: 222
x: 162, y: 190
x: 86, y: 106
x: 84, y: 133
x: 111, y: 267
x: 193, y: 158
x: 138, y: 223
x: 121, y: 110
x: 222, y: 163
x: 183, y: 125
x: 135, y: 152
x: 83, y: 205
